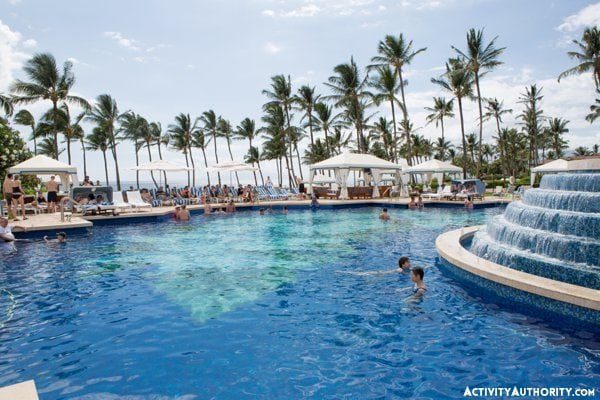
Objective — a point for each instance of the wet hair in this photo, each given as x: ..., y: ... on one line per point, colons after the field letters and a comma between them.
x: 385, y: 210
x: 418, y: 272
x: 402, y: 261
x: 9, y: 176
x: 62, y: 234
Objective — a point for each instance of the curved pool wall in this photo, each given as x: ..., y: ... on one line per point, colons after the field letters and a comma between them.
x: 554, y: 232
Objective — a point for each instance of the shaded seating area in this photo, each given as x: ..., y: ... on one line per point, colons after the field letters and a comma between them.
x: 370, y: 166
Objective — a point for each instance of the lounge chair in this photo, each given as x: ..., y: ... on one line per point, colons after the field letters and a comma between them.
x: 498, y: 191
x: 119, y: 202
x: 134, y: 198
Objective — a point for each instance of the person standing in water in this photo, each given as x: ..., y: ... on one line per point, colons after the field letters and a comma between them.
x: 416, y: 276
x: 384, y: 215
x: 184, y: 214
x: 7, y: 193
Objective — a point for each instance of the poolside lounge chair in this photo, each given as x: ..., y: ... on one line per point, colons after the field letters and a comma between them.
x: 135, y: 199
x: 498, y: 191
x: 119, y: 202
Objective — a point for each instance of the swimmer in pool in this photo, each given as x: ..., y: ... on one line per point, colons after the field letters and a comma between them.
x: 416, y: 275
x: 404, y: 266
x: 61, y: 237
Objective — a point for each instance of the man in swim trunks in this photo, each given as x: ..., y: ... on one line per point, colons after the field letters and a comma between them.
x: 52, y: 189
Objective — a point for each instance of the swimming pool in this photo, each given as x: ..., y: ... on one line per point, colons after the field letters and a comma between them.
x: 263, y: 306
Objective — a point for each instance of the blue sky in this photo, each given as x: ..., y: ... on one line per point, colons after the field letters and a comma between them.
x: 160, y: 58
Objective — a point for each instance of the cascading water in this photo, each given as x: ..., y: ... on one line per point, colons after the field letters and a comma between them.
x: 553, y: 232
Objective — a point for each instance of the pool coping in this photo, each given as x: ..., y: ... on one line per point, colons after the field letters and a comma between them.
x: 450, y: 248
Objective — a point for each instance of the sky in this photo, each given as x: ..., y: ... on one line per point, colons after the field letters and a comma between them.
x: 160, y: 58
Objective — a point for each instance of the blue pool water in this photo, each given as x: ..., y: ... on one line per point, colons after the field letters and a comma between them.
x: 246, y: 306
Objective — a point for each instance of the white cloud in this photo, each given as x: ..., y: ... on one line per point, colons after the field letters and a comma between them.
x: 30, y: 43
x: 271, y: 48
x: 587, y: 16
x: 11, y: 55
x: 122, y: 41
x: 314, y: 8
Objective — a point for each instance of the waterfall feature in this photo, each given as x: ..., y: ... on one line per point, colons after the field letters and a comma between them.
x: 553, y: 232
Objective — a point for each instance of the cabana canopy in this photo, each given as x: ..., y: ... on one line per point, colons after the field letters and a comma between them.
x: 433, y: 166
x: 590, y: 163
x: 343, y: 163
x: 161, y: 165
x: 43, y: 165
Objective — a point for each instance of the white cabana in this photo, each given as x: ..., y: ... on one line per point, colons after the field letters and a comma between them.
x: 433, y: 166
x: 162, y: 166
x: 567, y: 165
x: 343, y: 163
x: 46, y: 166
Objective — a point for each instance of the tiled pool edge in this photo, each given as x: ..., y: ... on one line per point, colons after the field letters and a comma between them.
x: 516, y: 286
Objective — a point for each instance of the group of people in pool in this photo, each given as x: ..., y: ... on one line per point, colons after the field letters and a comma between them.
x: 6, y: 234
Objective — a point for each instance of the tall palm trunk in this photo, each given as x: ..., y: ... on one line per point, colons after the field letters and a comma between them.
x: 404, y: 114
x: 327, y: 142
x: 310, y: 127
x: 205, y: 165
x: 480, y: 150
x: 150, y: 159
x: 113, y: 146
x: 261, y: 174
x: 34, y: 140
x: 84, y: 157
x: 160, y: 157
x: 394, y: 150
x: 193, y: 167
x: 291, y: 163
x: 442, y: 123
x: 216, y: 156
x: 55, y: 127
x: 105, y: 167
x: 464, y: 139
x: 299, y: 160
x: 69, y: 151
x: 137, y: 164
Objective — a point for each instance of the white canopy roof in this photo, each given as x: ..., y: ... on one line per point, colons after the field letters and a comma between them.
x: 576, y: 164
x: 433, y: 166
x: 355, y: 161
x: 161, y: 165
x: 42, y: 165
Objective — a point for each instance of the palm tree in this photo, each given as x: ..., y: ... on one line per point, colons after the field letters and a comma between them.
x: 306, y: 99
x: 555, y: 130
x: 201, y: 141
x: 253, y: 157
x: 277, y: 137
x: 512, y: 147
x: 325, y: 119
x: 441, y: 148
x: 155, y: 131
x: 25, y: 118
x: 441, y: 109
x: 225, y: 131
x: 182, y: 132
x: 594, y: 110
x: 338, y: 140
x: 46, y: 147
x: 532, y: 116
x: 582, y: 151
x: 495, y: 109
x: 105, y: 114
x: 70, y: 128
x: 99, y: 140
x: 472, y: 144
x: 6, y: 104
x: 397, y: 53
x: 480, y: 59
x: 211, y: 125
x: 387, y: 85
x: 316, y: 152
x: 458, y: 80
x: 349, y: 91
x: 280, y: 96
x: 47, y: 82
x: 247, y: 130
x: 131, y: 127
x: 588, y: 56
x: 381, y: 131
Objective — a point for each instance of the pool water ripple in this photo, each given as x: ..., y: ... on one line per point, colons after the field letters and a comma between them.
x: 268, y: 307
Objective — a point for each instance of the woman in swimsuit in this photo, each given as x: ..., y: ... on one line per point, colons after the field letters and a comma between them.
x: 416, y: 276
x: 17, y: 196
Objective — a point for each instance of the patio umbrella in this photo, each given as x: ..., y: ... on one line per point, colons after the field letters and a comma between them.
x: 161, y: 165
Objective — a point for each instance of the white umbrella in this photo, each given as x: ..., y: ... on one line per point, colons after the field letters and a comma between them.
x: 225, y: 166
x: 161, y: 165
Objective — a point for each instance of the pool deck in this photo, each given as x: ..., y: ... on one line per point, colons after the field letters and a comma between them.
x: 52, y: 222
x: 449, y: 246
x: 20, y: 391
